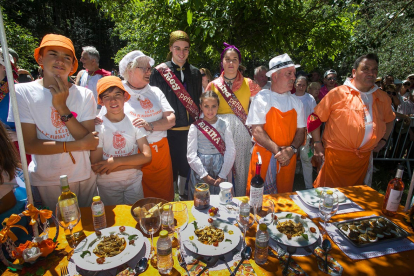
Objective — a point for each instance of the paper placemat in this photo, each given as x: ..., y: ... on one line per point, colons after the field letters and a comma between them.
x: 372, y: 251
x: 314, y: 212
x: 144, y: 252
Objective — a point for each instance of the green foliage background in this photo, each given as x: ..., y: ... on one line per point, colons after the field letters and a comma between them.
x: 318, y: 34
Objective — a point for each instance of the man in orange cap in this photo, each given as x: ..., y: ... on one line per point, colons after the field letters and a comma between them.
x: 57, y: 124
x: 181, y: 84
x: 116, y: 158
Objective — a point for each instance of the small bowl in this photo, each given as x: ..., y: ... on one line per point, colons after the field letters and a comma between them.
x: 144, y: 201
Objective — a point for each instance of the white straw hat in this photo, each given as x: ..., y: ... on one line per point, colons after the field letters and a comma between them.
x: 280, y: 62
x: 131, y: 57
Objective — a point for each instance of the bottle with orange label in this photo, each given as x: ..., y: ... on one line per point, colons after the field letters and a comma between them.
x: 394, y: 193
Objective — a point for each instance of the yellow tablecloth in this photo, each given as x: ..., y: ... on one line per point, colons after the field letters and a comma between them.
x: 396, y: 264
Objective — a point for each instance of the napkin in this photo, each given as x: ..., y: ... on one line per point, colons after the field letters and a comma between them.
x: 313, y: 212
x: 372, y: 251
x: 334, y: 268
x: 282, y: 257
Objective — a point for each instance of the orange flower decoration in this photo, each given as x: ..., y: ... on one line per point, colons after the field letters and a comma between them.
x: 18, y: 252
x: 47, y: 247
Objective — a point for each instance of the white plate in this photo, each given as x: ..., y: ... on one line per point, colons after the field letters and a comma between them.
x: 89, y: 261
x: 311, y: 198
x: 227, y: 212
x: 192, y: 243
x: 298, y: 241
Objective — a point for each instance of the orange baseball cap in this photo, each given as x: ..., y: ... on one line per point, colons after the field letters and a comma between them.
x: 57, y: 40
x: 108, y: 82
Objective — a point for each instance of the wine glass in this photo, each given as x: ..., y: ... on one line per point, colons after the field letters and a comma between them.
x: 150, y: 221
x: 180, y: 218
x: 68, y: 216
x: 245, y: 219
x: 264, y: 213
x: 328, y: 206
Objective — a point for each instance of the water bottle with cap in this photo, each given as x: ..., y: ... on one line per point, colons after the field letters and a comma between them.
x: 165, y: 260
x: 262, y: 242
x: 98, y: 213
x: 167, y: 220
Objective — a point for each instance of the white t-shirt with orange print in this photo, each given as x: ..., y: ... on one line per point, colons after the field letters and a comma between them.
x: 35, y: 107
x: 149, y: 104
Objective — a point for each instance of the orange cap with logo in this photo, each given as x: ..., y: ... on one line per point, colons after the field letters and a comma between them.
x: 60, y: 41
x: 108, y: 82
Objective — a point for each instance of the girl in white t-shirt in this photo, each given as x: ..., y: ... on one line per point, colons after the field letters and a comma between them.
x: 116, y: 160
x: 209, y: 164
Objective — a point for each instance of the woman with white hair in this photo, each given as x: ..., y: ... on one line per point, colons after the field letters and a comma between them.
x: 148, y: 108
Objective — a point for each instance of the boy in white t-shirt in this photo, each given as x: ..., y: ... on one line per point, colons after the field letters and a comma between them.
x: 306, y: 152
x: 116, y: 160
x: 57, y: 124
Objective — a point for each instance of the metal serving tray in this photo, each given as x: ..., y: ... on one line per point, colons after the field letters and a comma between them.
x: 401, y: 233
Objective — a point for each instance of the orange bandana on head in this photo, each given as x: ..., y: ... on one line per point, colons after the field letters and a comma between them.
x: 108, y: 82
x: 60, y: 41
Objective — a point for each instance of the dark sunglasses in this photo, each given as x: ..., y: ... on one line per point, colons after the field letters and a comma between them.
x: 330, y: 79
x: 391, y: 93
x: 406, y: 84
x: 203, y: 74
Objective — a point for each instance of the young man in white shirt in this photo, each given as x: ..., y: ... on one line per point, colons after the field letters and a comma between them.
x: 57, y: 124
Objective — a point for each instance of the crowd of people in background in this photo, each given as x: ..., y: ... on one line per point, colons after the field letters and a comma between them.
x: 156, y: 131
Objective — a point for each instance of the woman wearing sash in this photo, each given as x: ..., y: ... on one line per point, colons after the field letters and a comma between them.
x: 210, y: 149
x: 148, y: 108
x: 231, y: 87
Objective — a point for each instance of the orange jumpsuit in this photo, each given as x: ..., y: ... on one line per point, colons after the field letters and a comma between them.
x: 342, y: 109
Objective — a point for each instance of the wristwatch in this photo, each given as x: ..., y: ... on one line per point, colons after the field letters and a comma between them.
x: 66, y: 118
x: 295, y: 150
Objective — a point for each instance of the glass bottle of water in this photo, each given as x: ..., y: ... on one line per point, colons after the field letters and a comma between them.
x: 165, y: 260
x: 262, y: 241
x: 98, y: 213
x: 167, y: 220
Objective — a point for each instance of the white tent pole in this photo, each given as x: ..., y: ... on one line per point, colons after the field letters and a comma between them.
x: 12, y: 93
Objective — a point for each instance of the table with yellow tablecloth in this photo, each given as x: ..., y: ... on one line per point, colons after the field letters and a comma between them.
x: 394, y: 264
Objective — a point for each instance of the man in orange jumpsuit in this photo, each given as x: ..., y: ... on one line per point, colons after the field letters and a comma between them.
x: 359, y: 119
x: 278, y: 125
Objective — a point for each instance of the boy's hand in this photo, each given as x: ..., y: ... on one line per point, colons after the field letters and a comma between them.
x: 218, y: 181
x: 105, y: 166
x: 139, y: 122
x: 98, y: 121
x: 90, y: 141
x: 60, y: 93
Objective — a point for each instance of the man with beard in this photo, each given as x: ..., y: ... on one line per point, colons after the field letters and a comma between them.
x: 278, y: 126
x: 359, y: 120
x: 181, y: 84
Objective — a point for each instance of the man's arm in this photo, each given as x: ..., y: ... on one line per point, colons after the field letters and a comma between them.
x: 319, y: 151
x: 387, y: 134
x: 78, y: 77
x: 284, y: 155
x: 263, y: 139
x: 34, y: 145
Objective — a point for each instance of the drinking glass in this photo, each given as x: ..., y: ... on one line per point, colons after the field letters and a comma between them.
x: 68, y: 218
x: 180, y: 219
x: 264, y: 213
x: 150, y: 221
x: 328, y: 206
x: 245, y: 220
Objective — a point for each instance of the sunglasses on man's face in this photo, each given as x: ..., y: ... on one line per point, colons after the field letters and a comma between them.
x: 406, y: 84
x: 331, y: 79
x: 391, y: 93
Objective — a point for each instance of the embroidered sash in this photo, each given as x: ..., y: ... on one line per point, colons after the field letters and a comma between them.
x: 232, y: 101
x: 211, y: 134
x: 179, y: 90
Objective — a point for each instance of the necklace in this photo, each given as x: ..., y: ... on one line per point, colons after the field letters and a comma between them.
x: 133, y: 87
x: 229, y: 78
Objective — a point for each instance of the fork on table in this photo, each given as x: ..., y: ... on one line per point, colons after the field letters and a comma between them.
x: 64, y: 271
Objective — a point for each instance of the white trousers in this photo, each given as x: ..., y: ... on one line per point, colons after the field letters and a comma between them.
x: 85, y: 190
x: 115, y: 191
x: 306, y: 165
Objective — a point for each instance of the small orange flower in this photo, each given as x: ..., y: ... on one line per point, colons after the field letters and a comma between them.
x: 47, y: 247
x: 18, y: 252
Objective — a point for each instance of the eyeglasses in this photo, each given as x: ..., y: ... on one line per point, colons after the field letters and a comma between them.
x: 391, y: 93
x: 406, y: 84
x: 203, y: 74
x: 145, y: 69
x: 331, y: 79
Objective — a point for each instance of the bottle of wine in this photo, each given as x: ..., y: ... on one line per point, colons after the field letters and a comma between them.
x: 394, y: 193
x: 257, y: 186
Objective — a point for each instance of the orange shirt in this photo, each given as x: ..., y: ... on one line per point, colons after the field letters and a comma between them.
x: 343, y: 111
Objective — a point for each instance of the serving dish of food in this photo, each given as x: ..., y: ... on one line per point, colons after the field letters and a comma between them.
x: 292, y: 229
x: 372, y: 230
x: 108, y: 248
x: 211, y: 239
x: 312, y: 196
